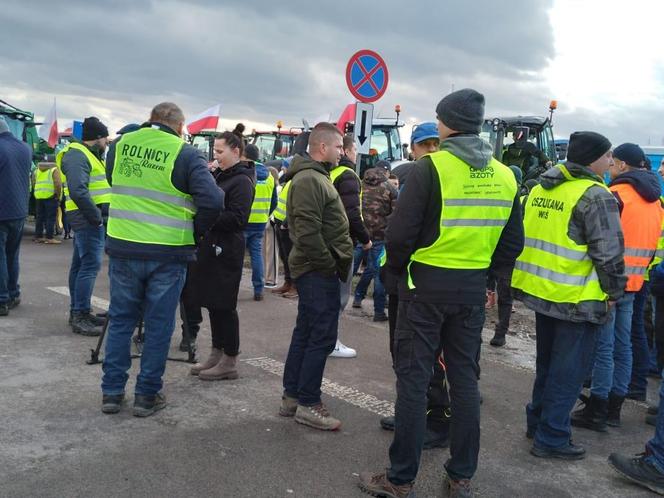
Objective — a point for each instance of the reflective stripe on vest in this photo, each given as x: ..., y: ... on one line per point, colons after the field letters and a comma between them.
x: 98, y: 187
x: 476, y: 205
x: 552, y: 266
x: 260, y: 208
x: 641, y: 223
x: 146, y: 208
x: 282, y: 203
x: 44, y: 185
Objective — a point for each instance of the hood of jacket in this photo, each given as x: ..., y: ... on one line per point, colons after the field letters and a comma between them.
x: 553, y: 177
x: 644, y: 181
x: 261, y: 172
x: 374, y: 176
x: 300, y: 163
x: 471, y: 149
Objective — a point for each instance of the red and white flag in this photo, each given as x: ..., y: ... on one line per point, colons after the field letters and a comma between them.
x: 206, y: 120
x: 348, y: 114
x: 49, y: 128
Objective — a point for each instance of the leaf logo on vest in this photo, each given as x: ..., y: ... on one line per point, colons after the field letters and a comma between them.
x: 145, y: 157
x: 487, y: 172
x: 128, y: 167
x: 547, y: 205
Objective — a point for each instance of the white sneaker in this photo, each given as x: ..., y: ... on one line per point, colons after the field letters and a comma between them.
x: 341, y: 351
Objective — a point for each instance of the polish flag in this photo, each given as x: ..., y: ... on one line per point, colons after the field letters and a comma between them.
x: 206, y: 120
x: 49, y: 128
x: 347, y: 115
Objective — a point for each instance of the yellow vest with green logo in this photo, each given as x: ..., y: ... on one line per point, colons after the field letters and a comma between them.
x: 282, y: 203
x: 44, y: 185
x: 260, y: 209
x: 145, y: 206
x: 100, y: 190
x: 476, y: 204
x: 552, y: 266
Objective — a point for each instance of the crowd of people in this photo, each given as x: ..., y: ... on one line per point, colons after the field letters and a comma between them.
x: 438, y: 235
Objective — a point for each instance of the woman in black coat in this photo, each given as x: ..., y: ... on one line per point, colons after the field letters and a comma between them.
x: 215, y: 277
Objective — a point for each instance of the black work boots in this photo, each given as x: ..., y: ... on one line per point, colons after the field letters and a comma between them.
x: 85, y: 324
x: 593, y: 415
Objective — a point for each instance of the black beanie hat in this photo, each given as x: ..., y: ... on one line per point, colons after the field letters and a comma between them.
x: 586, y: 147
x: 93, y: 129
x: 462, y: 111
x: 251, y: 152
x: 632, y: 154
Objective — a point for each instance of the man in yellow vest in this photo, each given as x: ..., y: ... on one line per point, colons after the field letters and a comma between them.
x: 265, y: 201
x: 47, y: 191
x: 348, y: 184
x: 88, y: 194
x: 457, y: 216
x: 163, y: 200
x: 571, y: 273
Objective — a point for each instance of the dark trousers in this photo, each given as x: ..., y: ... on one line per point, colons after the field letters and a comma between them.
x: 505, y: 301
x: 47, y: 210
x: 314, y: 336
x: 284, y: 245
x: 422, y: 328
x: 564, y: 359
x: 225, y: 326
x: 640, y: 350
x: 659, y: 331
x: 191, y: 313
x: 438, y: 398
x: 11, y: 232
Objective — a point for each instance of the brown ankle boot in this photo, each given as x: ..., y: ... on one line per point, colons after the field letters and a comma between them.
x: 284, y: 288
x: 226, y: 369
x: 213, y: 359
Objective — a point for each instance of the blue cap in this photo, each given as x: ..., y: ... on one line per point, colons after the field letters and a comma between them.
x: 424, y: 131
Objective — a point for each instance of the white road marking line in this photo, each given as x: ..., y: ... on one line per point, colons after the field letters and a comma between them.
x: 348, y: 394
x: 97, y: 302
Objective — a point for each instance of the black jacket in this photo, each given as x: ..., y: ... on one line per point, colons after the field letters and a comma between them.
x: 348, y: 185
x: 416, y: 223
x: 190, y: 175
x: 214, y: 280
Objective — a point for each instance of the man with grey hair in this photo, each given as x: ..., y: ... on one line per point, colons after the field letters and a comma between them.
x: 163, y: 200
x: 15, y: 165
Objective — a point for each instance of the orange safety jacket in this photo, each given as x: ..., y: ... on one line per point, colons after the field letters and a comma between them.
x: 641, y: 224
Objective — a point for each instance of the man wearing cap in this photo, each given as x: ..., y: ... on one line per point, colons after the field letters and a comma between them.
x: 88, y: 194
x: 637, y: 191
x: 265, y: 201
x: 571, y: 273
x: 423, y: 140
x: 443, y: 256
x: 15, y: 165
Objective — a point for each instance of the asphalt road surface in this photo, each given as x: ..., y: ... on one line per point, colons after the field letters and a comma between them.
x: 226, y: 438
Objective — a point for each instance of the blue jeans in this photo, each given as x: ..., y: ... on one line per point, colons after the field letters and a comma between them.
x: 613, y: 351
x: 47, y: 210
x: 85, y: 264
x: 150, y: 289
x: 358, y: 256
x: 314, y: 336
x: 372, y: 271
x: 564, y: 356
x: 254, y: 242
x: 641, y: 354
x: 655, y: 447
x: 11, y: 232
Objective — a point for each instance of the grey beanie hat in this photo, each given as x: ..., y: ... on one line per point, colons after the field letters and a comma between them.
x: 462, y: 111
x: 3, y: 125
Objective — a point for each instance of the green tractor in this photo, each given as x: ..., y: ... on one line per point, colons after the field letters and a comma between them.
x: 22, y: 125
x: 523, y: 141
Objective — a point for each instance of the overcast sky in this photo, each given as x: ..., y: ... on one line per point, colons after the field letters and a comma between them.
x: 264, y: 61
